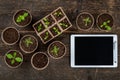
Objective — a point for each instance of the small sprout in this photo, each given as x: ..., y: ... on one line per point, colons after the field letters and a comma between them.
x: 87, y: 20
x: 13, y: 58
x: 105, y: 24
x: 46, y: 36
x: 28, y: 41
x: 63, y: 24
x: 21, y: 18
x: 56, y: 30
x: 46, y: 21
x: 55, y: 50
x: 39, y: 27
x: 58, y: 13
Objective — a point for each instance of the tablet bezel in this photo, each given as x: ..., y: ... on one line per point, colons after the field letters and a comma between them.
x: 115, y: 51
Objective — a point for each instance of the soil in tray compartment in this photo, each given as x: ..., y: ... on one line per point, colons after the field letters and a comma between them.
x: 64, y: 24
x: 48, y: 21
x: 55, y: 30
x: 82, y: 23
x: 46, y: 36
x: 58, y: 14
x: 103, y: 18
x: 9, y: 60
x: 10, y: 35
x: 40, y: 60
x: 61, y: 49
x: 39, y: 27
x: 29, y: 47
x: 27, y: 19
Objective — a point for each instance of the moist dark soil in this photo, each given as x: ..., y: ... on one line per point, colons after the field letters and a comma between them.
x: 31, y: 47
x: 43, y: 35
x: 9, y: 60
x: 10, y: 35
x: 50, y: 19
x: 60, y: 52
x: 40, y: 60
x: 53, y: 31
x: 27, y: 19
x: 103, y: 18
x: 81, y: 23
x: 58, y: 17
x: 65, y: 21
x: 36, y: 27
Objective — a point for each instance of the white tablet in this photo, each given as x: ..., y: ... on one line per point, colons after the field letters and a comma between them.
x: 93, y: 51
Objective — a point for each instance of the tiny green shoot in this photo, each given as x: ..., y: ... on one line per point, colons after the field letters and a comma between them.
x: 21, y: 18
x: 56, y: 30
x: 28, y: 41
x: 46, y: 21
x: 14, y: 58
x: 105, y: 24
x: 46, y: 36
x: 58, y: 13
x: 87, y: 20
x: 63, y: 24
x: 55, y: 50
x: 39, y: 27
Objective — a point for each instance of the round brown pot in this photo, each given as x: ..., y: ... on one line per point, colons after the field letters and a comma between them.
x: 19, y: 21
x: 28, y: 43
x: 8, y: 61
x: 84, y: 21
x: 56, y: 50
x: 39, y: 61
x: 10, y: 35
x: 105, y: 22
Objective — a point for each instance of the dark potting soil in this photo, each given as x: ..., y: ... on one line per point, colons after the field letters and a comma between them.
x: 10, y: 35
x: 31, y: 47
x: 60, y: 52
x: 104, y: 18
x: 54, y: 32
x: 65, y: 21
x: 9, y: 60
x: 36, y: 27
x: 81, y: 23
x: 27, y: 19
x: 58, y: 17
x: 40, y: 60
x: 43, y: 35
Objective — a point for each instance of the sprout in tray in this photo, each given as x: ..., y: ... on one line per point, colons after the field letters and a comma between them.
x: 21, y: 18
x: 28, y: 41
x: 46, y: 36
x: 87, y: 21
x: 56, y: 30
x: 46, y: 21
x: 55, y: 50
x: 14, y: 58
x: 105, y: 24
x: 39, y: 28
x: 63, y: 24
x: 58, y: 13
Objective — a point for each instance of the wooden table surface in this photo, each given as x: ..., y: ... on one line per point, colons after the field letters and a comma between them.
x: 57, y: 69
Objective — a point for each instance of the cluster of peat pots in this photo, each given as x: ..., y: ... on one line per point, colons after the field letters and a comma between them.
x: 47, y: 29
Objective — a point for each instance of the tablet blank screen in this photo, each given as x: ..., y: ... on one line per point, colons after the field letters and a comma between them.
x: 94, y: 51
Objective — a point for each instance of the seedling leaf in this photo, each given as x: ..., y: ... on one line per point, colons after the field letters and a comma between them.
x: 9, y: 56
x: 18, y: 59
x: 12, y: 61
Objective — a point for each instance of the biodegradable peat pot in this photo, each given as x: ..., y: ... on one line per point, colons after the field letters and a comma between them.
x: 13, y: 58
x: 28, y: 43
x: 39, y: 61
x: 56, y: 50
x: 85, y: 21
x: 52, y: 25
x: 10, y: 36
x: 22, y: 18
x: 105, y: 22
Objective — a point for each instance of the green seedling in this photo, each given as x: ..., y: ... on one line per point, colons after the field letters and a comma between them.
x: 28, y: 41
x: 105, y: 24
x: 46, y: 36
x: 63, y: 24
x: 21, y: 18
x: 47, y: 22
x: 14, y: 58
x: 56, y: 30
x: 39, y: 27
x: 87, y: 21
x: 55, y: 50
x: 58, y: 13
